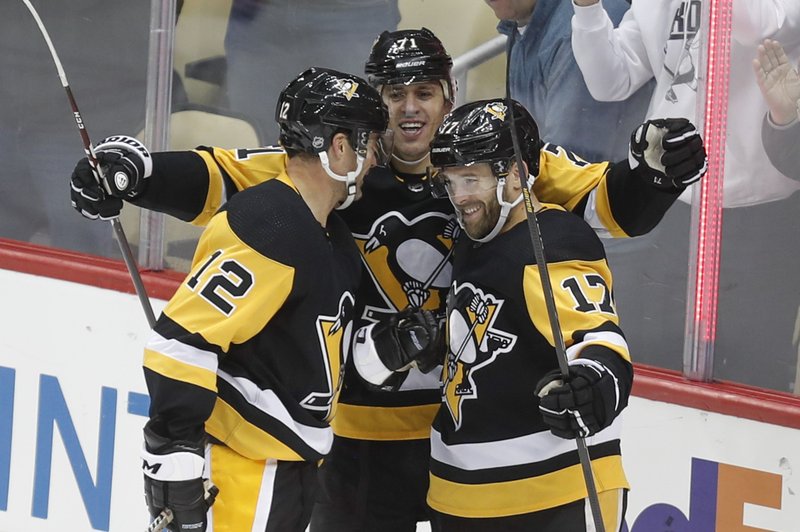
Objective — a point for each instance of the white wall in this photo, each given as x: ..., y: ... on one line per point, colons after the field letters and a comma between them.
x: 72, y: 353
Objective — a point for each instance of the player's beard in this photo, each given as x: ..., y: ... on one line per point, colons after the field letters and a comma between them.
x: 481, y: 225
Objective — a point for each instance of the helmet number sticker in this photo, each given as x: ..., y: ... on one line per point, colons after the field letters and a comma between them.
x: 284, y: 113
x: 402, y: 44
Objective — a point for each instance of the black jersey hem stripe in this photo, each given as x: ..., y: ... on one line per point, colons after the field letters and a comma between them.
x: 172, y: 330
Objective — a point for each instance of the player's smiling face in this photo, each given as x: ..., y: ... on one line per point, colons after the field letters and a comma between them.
x: 415, y: 113
x: 473, y: 192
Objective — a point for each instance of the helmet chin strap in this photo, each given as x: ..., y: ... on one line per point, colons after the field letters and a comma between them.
x: 505, y: 209
x: 348, y: 179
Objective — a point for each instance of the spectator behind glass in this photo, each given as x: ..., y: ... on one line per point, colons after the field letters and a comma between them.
x: 545, y: 78
x: 662, y: 40
x: 779, y: 82
x: 268, y: 43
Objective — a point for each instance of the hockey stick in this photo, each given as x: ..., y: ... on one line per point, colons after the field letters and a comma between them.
x: 160, y: 523
x: 124, y: 247
x: 166, y: 516
x: 549, y: 298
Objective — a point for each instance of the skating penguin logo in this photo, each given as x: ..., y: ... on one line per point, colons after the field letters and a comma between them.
x: 334, y: 334
x: 681, y: 50
x: 473, y: 343
x: 409, y: 271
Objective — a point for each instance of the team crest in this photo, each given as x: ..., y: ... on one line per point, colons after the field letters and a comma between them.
x: 346, y: 88
x: 496, y: 109
x: 473, y: 343
x: 408, y: 271
x: 334, y: 333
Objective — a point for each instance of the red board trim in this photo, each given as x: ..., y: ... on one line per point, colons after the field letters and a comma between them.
x: 649, y: 382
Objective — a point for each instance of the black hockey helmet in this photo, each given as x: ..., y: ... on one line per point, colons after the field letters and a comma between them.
x: 410, y: 56
x: 480, y: 132
x: 321, y: 102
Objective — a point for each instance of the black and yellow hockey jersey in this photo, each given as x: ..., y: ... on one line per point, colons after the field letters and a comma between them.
x: 491, y: 453
x: 251, y: 347
x: 405, y: 237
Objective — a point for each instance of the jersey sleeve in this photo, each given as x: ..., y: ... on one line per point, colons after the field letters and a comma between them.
x: 192, y: 185
x: 230, y: 294
x: 614, y: 62
x: 582, y: 289
x: 610, y: 197
x: 586, y: 311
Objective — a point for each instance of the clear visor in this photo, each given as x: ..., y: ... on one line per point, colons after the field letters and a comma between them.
x: 445, y: 184
x: 377, y: 144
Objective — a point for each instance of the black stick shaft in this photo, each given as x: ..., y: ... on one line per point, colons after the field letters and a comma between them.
x: 549, y: 298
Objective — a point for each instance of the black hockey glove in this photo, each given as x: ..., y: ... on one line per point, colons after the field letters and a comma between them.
x: 410, y: 338
x: 583, y: 405
x: 173, y: 480
x: 668, y: 153
x: 125, y: 163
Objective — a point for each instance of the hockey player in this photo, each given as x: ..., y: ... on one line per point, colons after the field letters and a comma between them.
x: 665, y: 41
x: 501, y: 458
x: 376, y: 476
x: 245, y: 363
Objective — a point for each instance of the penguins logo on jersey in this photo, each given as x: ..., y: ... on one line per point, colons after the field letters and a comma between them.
x: 681, y: 50
x: 473, y: 343
x: 334, y: 333
x: 408, y: 260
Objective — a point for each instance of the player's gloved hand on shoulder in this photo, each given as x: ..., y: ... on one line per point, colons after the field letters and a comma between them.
x: 583, y: 404
x: 125, y: 164
x: 409, y: 338
x: 173, y: 479
x: 668, y: 153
